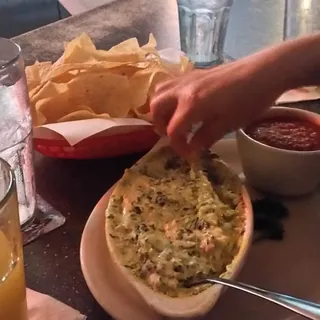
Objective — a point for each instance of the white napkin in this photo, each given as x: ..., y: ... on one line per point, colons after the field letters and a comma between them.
x: 44, y: 307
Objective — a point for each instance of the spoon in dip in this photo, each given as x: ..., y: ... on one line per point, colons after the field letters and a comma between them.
x: 308, y: 309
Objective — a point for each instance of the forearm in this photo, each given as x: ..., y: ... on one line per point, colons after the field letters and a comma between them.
x: 293, y: 63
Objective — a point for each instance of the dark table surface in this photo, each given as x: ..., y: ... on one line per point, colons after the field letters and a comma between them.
x: 74, y: 187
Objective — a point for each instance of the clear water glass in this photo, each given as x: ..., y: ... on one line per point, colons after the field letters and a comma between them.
x: 203, y: 27
x: 302, y: 17
x: 16, y: 126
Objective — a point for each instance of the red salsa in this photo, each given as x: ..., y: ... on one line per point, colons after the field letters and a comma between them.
x: 286, y: 133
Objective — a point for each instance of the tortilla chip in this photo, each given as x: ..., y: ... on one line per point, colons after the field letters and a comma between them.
x: 144, y: 81
x: 79, y: 50
x: 53, y: 108
x: 104, y: 92
x: 85, y: 82
x: 151, y: 45
x: 49, y: 90
x: 82, y: 115
x: 129, y: 46
x: 143, y: 112
x: 37, y: 73
x: 64, y: 72
x: 39, y: 119
x: 82, y: 50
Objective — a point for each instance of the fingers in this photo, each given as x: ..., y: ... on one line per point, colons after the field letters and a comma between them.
x: 179, y: 127
x: 176, y: 116
x: 164, y: 86
x: 211, y: 131
x: 179, y: 104
x: 162, y: 107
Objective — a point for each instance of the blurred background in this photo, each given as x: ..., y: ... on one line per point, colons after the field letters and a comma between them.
x: 20, y: 16
x: 253, y: 24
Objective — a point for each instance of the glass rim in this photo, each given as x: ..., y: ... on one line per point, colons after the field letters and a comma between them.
x: 9, y: 189
x: 15, y: 56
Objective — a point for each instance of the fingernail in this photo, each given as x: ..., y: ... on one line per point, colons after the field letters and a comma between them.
x: 194, y: 129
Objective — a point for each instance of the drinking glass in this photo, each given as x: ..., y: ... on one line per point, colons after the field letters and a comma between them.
x: 203, y: 27
x: 13, y: 304
x: 16, y: 126
x: 302, y: 17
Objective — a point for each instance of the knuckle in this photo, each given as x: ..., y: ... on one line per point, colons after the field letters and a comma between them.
x: 155, y: 105
x: 190, y: 95
x: 163, y: 85
x: 158, y: 87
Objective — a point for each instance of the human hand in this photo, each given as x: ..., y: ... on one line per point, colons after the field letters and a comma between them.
x: 223, y: 99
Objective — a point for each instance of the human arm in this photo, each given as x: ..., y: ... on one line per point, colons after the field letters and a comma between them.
x: 230, y: 96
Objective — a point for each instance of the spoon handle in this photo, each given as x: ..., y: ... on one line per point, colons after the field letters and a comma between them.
x: 308, y: 309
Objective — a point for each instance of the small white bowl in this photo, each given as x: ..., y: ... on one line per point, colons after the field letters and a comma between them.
x: 278, y: 171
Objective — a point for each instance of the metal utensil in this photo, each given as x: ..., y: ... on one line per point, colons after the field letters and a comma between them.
x: 308, y: 309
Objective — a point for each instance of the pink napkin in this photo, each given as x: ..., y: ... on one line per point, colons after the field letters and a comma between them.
x: 300, y: 94
x: 44, y: 307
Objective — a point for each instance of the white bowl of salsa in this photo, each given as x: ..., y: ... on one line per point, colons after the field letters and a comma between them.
x: 280, y: 151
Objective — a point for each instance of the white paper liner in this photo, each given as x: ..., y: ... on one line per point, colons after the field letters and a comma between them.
x: 76, y: 131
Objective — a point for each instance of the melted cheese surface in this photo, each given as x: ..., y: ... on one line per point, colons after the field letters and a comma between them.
x: 169, y: 224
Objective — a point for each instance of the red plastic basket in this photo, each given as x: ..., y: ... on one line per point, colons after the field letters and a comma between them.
x: 99, y: 147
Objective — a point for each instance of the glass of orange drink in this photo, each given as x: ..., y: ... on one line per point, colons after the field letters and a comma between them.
x: 13, y: 304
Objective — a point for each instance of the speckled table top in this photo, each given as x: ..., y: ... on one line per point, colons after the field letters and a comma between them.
x: 107, y: 26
